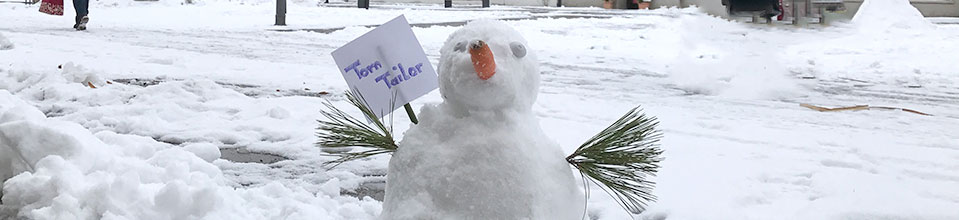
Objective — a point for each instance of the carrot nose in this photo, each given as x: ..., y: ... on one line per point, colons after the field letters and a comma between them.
x: 482, y: 59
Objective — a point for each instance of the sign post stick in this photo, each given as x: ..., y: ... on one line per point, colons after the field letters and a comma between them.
x: 409, y: 111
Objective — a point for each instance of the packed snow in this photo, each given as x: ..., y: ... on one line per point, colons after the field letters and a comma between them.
x: 4, y: 43
x: 129, y: 119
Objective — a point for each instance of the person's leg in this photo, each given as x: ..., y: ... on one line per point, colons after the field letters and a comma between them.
x: 76, y: 7
x: 82, y: 7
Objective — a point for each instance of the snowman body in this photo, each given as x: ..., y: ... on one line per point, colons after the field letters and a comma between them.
x: 481, y: 154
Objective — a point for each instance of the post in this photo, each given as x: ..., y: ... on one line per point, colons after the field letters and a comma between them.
x: 559, y: 3
x: 280, y: 12
x: 683, y: 4
x: 799, y: 14
x: 822, y: 17
x: 448, y: 3
x: 363, y: 4
x: 486, y: 3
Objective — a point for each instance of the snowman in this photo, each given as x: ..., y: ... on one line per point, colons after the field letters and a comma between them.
x: 481, y: 154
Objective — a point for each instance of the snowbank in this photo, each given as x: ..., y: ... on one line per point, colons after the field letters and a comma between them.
x: 889, y: 16
x: 888, y: 42
x: 60, y: 170
x: 171, y: 111
x: 5, y: 44
x: 10, y: 165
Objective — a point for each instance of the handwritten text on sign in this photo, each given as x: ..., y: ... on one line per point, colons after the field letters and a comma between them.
x: 387, y: 66
x: 405, y: 74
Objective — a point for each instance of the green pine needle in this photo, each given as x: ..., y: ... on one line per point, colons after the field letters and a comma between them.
x: 619, y: 159
x: 342, y: 132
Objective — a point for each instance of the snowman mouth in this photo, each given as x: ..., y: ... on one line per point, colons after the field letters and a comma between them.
x: 482, y: 58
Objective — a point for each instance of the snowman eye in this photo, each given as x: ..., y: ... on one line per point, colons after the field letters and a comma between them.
x: 461, y: 47
x: 518, y: 49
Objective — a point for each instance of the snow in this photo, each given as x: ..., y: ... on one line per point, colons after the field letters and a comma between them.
x: 512, y: 85
x: 890, y: 16
x: 5, y: 43
x: 79, y: 74
x: 895, y: 46
x: 451, y: 168
x: 79, y: 175
x: 717, y: 64
x: 206, y: 151
x: 737, y: 144
x: 481, y: 153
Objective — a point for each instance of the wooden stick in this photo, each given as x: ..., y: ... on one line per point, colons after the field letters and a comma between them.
x: 859, y: 107
x: 813, y: 107
x: 850, y: 108
x: 409, y: 111
x: 824, y: 109
x: 902, y: 109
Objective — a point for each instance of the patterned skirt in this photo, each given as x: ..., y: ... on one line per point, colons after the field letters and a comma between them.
x: 52, y: 7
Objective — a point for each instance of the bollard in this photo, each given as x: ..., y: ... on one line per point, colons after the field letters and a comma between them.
x: 448, y: 3
x: 823, y: 17
x: 280, y: 12
x: 363, y: 4
x: 486, y: 3
x: 799, y: 13
x: 559, y: 3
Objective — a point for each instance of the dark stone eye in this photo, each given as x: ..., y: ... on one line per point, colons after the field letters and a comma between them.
x: 461, y: 47
x: 518, y: 49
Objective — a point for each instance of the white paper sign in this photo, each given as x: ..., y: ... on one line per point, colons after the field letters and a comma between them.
x: 386, y: 63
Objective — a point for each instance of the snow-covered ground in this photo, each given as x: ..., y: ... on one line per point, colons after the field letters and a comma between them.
x: 176, y: 81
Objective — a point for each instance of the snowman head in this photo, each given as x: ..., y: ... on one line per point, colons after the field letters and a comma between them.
x: 486, y: 65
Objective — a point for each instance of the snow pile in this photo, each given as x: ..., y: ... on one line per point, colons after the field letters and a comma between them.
x: 9, y: 165
x: 713, y: 59
x: 206, y: 151
x: 890, y: 16
x: 78, y: 74
x: 889, y: 42
x: 17, y: 81
x: 171, y: 111
x: 5, y: 43
x: 63, y: 171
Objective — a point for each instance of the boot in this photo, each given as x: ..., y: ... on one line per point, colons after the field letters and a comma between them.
x: 82, y: 25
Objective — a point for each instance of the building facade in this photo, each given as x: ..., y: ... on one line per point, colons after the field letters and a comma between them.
x: 928, y: 8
